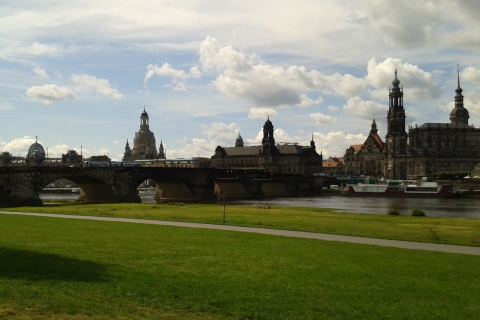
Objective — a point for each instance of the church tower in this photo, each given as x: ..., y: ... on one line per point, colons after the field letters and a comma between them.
x: 161, y: 151
x: 268, y: 142
x: 459, y: 114
x: 396, y: 139
x: 373, y: 129
x: 127, y: 155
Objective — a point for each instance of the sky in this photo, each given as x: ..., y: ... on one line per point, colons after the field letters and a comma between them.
x: 77, y: 74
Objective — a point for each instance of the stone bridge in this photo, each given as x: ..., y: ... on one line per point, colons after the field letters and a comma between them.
x: 21, y: 185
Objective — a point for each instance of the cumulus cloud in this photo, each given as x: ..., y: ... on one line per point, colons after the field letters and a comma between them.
x: 41, y: 73
x: 320, y: 118
x: 18, y: 146
x: 335, y: 143
x: 261, y: 113
x: 419, y: 84
x: 246, y: 76
x: 365, y: 108
x: 239, y: 75
x: 194, y: 147
x: 177, y: 77
x: 222, y: 133
x: 49, y: 93
x: 101, y: 86
x: 306, y: 101
x: 57, y: 150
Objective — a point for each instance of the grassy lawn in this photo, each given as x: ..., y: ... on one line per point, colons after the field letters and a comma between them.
x: 76, y: 270
x: 452, y: 231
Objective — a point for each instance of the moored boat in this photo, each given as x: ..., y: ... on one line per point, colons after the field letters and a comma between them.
x: 400, y: 189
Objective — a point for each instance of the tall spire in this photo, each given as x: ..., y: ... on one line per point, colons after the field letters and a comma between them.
x: 374, y: 129
x: 395, y: 81
x: 459, y: 89
x: 458, y: 76
x: 459, y: 114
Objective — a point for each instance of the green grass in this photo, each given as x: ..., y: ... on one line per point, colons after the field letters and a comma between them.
x: 451, y: 231
x: 67, y: 269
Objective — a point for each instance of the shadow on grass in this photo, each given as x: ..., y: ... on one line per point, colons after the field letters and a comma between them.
x: 31, y: 265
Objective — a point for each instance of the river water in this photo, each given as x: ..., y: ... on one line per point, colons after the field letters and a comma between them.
x: 433, y: 207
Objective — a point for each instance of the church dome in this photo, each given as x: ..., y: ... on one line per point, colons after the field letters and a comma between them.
x: 36, y: 150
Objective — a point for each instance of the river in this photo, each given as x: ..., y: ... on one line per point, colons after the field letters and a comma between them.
x: 433, y: 207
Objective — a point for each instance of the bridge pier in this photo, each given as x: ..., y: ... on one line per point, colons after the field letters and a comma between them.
x: 18, y: 189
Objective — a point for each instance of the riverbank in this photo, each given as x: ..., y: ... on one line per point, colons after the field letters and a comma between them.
x: 435, y: 230
x: 85, y: 270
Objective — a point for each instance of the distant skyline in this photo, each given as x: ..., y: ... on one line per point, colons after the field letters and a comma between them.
x: 79, y: 73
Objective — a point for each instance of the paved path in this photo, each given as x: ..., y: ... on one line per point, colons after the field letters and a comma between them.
x: 275, y: 232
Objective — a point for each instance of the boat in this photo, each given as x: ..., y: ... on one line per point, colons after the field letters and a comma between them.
x: 401, y: 189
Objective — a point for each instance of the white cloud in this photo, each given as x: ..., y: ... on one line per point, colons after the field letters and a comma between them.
x: 221, y: 133
x: 320, y: 118
x: 18, y: 146
x: 261, y: 113
x: 177, y: 77
x: 419, y: 84
x: 265, y: 84
x: 471, y: 74
x: 335, y: 143
x: 364, y: 108
x: 101, y: 86
x: 49, y: 93
x: 306, y: 101
x: 57, y: 150
x: 41, y: 73
x: 192, y: 148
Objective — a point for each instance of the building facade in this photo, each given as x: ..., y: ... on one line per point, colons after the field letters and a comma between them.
x: 333, y: 166
x: 440, y: 149
x: 366, y: 159
x: 284, y: 159
x: 144, y: 146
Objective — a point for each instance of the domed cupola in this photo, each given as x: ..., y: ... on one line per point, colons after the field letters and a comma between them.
x: 239, y: 141
x: 459, y: 114
x: 268, y: 124
x: 144, y: 146
x: 36, y: 153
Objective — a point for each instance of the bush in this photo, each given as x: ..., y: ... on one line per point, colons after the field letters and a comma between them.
x: 418, y: 213
x: 393, y: 212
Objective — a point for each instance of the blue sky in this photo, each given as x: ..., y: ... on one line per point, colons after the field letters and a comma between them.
x: 79, y: 72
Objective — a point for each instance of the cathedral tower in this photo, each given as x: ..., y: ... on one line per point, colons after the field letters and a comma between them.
x: 396, y: 139
x: 459, y: 114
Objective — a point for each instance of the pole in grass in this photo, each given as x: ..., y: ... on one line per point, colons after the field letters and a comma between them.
x: 224, y: 205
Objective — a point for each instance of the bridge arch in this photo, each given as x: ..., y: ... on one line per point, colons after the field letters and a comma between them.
x: 157, y: 188
x: 92, y: 190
